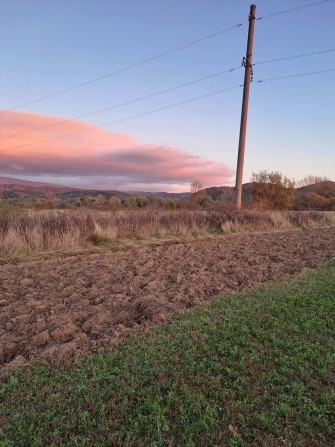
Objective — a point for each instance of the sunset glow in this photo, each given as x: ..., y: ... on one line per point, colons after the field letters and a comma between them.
x: 101, y: 158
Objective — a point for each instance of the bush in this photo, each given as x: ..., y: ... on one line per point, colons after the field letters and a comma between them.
x: 171, y: 204
x: 272, y: 190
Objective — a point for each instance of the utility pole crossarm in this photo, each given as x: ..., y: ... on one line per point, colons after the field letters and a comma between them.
x: 247, y: 62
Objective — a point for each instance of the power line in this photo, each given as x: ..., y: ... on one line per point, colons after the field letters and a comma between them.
x: 293, y: 57
x: 126, y: 119
x: 165, y: 53
x: 166, y: 108
x: 124, y: 103
x: 295, y: 75
x: 162, y: 91
x: 128, y: 67
x: 293, y: 9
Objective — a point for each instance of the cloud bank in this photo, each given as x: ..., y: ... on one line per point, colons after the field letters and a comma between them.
x: 98, y: 158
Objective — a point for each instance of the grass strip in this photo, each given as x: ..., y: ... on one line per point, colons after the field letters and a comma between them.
x: 254, y: 369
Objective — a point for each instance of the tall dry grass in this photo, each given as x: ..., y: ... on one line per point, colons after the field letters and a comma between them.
x: 25, y: 232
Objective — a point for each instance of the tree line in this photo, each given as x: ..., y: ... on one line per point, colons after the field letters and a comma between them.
x: 267, y: 191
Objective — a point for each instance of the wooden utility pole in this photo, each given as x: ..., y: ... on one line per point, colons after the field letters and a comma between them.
x: 247, y: 62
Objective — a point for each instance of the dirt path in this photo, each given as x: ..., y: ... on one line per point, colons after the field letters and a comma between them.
x: 69, y: 307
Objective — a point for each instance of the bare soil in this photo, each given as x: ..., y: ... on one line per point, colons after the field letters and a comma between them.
x: 69, y: 307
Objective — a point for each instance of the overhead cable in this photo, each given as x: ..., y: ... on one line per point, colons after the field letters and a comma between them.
x: 125, y: 119
x: 295, y: 75
x: 165, y: 53
x: 166, y: 108
x: 292, y: 9
x: 163, y: 91
x: 123, y: 103
x: 128, y: 67
x: 293, y: 57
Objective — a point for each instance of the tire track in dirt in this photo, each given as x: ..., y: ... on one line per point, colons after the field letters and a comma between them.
x: 69, y: 307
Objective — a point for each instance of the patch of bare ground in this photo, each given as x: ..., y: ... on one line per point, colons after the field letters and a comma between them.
x: 69, y: 307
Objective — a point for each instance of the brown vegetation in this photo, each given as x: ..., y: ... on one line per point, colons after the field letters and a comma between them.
x: 272, y: 190
x: 26, y: 232
x: 317, y: 196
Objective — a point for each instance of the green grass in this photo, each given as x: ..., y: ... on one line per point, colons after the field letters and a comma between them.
x: 255, y: 369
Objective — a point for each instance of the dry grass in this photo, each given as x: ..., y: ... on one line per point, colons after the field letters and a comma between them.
x: 250, y: 220
x: 26, y: 232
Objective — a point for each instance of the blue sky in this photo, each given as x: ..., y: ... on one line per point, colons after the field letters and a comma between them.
x: 50, y: 45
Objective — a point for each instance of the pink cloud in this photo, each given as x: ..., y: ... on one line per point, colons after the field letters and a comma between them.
x: 99, y: 158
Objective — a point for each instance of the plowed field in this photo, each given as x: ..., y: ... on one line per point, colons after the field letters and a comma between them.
x: 64, y: 308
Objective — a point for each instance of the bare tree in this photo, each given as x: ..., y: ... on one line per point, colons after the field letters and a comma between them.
x: 311, y: 180
x: 196, y: 186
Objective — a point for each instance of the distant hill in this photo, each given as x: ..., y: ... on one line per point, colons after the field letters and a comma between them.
x: 162, y: 194
x: 322, y: 188
x: 70, y: 195
x: 28, y: 187
x: 227, y: 193
x: 79, y: 193
x: 318, y: 196
x: 12, y: 188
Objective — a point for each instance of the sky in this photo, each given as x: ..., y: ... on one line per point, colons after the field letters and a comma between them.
x: 48, y: 45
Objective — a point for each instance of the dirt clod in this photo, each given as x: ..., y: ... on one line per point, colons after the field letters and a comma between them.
x: 64, y: 333
x: 41, y: 339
